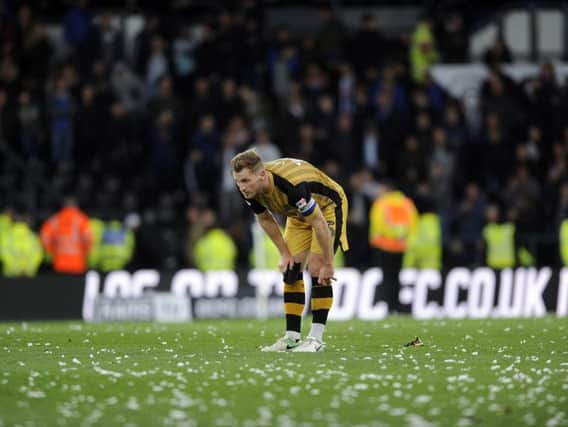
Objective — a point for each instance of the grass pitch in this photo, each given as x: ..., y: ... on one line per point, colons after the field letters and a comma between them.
x: 469, y: 373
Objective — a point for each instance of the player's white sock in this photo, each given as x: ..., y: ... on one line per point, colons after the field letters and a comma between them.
x: 317, y: 331
x: 293, y: 335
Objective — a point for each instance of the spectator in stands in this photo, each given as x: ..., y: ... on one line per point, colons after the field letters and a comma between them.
x: 165, y: 102
x: 454, y: 38
x: 230, y: 104
x: 142, y: 42
x: 411, y: 165
x: 522, y: 197
x: 496, y: 157
x: 546, y: 99
x: 456, y: 131
x: 105, y: 41
x: 291, y: 118
x: 467, y: 226
x: 77, y: 23
x: 371, y: 151
x: 88, y: 126
x: 264, y: 146
x: 202, y: 164
x: 498, y: 54
x: 77, y: 28
x: 531, y: 152
x: 343, y: 146
x: 157, y: 65
x: 230, y: 204
x: 62, y: 111
x: 367, y: 39
x: 363, y: 190
x: 67, y: 237
x: 121, y: 152
x: 228, y: 43
x: 127, y: 87
x: 346, y: 89
x: 255, y: 107
x: 441, y: 174
x: 324, y: 118
x: 30, y: 126
x: 330, y: 36
x: 183, y: 47
x: 163, y: 159
x: 8, y: 123
x: 34, y: 48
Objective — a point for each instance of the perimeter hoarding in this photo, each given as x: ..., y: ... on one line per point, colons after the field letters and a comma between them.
x: 189, y: 294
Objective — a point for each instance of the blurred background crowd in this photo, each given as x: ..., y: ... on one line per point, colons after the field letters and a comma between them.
x: 141, y: 133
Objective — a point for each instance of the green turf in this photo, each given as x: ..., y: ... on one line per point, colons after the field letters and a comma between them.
x: 470, y: 372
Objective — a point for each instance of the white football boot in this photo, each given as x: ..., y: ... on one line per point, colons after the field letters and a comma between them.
x: 309, y: 345
x: 283, y: 344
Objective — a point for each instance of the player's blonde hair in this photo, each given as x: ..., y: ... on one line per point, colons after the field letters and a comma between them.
x: 248, y: 159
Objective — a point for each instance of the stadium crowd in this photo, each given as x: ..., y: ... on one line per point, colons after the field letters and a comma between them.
x: 147, y: 138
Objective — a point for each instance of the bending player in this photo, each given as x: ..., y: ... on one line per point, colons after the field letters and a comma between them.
x: 316, y: 211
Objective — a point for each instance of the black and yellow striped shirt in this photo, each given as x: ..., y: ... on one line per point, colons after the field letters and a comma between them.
x: 295, y: 188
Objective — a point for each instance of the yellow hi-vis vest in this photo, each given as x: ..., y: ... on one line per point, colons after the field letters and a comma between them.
x: 500, y: 244
x: 21, y: 251
x: 215, y: 251
x: 116, y: 246
x: 94, y: 255
x: 425, y: 246
x: 564, y: 241
x: 5, y: 225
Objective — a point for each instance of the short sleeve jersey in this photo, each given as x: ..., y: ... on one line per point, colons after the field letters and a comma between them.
x: 296, y: 188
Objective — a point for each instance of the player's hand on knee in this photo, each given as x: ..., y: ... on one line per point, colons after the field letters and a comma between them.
x: 286, y: 263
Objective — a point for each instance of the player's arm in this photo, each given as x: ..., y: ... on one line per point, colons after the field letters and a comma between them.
x: 301, y: 197
x: 319, y: 225
x: 272, y: 229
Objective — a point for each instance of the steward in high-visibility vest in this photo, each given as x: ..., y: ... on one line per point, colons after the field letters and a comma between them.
x: 67, y: 237
x: 21, y: 252
x: 269, y: 257
x: 5, y: 225
x: 393, y: 219
x: 499, y: 238
x: 500, y: 244
x: 423, y: 52
x: 116, y: 247
x: 94, y: 255
x: 564, y: 242
x: 215, y: 251
x: 425, y: 246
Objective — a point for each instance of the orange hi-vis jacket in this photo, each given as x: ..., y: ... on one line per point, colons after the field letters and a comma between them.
x: 67, y: 237
x: 392, y: 220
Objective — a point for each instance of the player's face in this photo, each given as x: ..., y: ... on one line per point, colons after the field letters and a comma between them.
x: 249, y: 183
